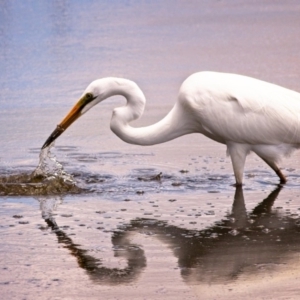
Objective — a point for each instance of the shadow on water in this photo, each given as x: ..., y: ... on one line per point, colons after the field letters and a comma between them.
x: 242, y: 243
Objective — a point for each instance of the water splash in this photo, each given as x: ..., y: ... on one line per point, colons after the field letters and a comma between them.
x: 49, y: 178
x: 49, y: 168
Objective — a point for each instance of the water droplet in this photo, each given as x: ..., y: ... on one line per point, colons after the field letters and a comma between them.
x: 147, y: 213
x: 23, y: 222
x: 234, y: 232
x: 66, y: 215
x: 17, y: 216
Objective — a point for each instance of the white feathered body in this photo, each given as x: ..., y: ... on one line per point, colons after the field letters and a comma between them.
x: 244, y: 113
x: 230, y: 108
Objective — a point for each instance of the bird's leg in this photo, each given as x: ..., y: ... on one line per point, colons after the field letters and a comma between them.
x: 270, y: 161
x: 238, y: 154
x: 273, y: 165
x: 282, y: 177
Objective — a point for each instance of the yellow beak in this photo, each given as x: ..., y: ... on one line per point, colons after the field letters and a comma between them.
x: 73, y: 115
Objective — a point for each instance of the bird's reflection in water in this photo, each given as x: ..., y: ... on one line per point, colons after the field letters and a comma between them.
x: 134, y: 255
x: 240, y: 244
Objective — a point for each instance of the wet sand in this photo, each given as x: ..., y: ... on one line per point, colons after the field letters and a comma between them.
x: 160, y: 222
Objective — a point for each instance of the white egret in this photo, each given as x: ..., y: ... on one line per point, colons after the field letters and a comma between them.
x: 244, y: 113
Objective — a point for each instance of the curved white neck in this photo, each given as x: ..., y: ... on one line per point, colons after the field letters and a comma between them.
x: 169, y: 128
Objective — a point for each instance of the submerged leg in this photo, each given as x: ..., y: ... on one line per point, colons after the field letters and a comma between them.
x: 238, y: 154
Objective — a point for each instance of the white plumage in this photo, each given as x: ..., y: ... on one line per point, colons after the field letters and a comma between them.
x: 243, y: 113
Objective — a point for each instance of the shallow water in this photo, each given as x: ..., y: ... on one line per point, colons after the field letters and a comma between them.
x: 128, y: 222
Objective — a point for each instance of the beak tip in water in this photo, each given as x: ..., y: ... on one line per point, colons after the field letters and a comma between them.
x: 44, y: 146
x: 47, y: 143
x: 54, y: 135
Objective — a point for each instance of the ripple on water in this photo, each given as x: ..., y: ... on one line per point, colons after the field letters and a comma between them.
x: 50, y: 178
x: 22, y: 183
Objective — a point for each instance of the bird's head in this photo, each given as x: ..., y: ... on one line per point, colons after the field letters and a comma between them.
x: 91, y: 96
x: 96, y: 92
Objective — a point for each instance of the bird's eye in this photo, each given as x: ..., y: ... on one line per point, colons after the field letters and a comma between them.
x: 89, y: 96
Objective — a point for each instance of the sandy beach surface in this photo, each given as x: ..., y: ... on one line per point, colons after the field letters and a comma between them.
x: 158, y: 222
